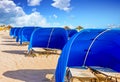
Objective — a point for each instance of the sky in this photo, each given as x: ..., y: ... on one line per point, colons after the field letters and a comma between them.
x: 60, y: 13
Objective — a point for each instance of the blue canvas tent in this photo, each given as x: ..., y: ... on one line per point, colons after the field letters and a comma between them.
x: 12, y: 30
x: 54, y: 38
x: 20, y: 32
x: 16, y: 32
x: 19, y: 35
x: 71, y: 32
x: 90, y: 47
x: 25, y: 34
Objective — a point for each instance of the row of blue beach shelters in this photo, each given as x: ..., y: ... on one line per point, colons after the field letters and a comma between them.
x: 40, y: 37
x: 12, y: 32
x: 90, y: 47
x: 22, y: 34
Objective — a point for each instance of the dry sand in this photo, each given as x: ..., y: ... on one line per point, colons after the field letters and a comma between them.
x: 16, y: 67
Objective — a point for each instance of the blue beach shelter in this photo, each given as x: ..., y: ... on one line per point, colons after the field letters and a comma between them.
x: 12, y: 30
x: 90, y: 47
x: 25, y: 34
x: 71, y: 32
x: 19, y: 34
x: 54, y: 38
x: 16, y: 32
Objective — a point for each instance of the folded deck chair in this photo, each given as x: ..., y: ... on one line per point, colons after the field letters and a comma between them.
x: 48, y: 38
x: 107, y: 72
x: 90, y: 47
x: 81, y: 73
x: 43, y: 51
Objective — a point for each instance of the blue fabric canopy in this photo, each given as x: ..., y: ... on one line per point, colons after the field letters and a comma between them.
x: 19, y: 35
x: 54, y: 38
x: 25, y: 34
x: 71, y: 32
x: 90, y: 47
x: 12, y: 30
x: 16, y: 32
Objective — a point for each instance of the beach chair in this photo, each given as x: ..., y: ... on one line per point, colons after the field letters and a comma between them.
x: 90, y: 47
x: 48, y: 39
x: 109, y: 73
x: 83, y: 74
x: 43, y: 51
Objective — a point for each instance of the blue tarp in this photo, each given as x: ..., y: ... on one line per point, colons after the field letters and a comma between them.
x: 25, y: 34
x: 90, y: 47
x: 71, y: 32
x: 54, y: 38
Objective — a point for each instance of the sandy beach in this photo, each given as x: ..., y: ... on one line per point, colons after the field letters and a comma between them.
x: 16, y: 67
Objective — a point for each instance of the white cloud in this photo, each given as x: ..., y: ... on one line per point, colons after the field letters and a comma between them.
x: 62, y: 4
x: 55, y: 24
x: 113, y: 25
x: 33, y: 2
x: 10, y: 13
x: 35, y: 19
x: 55, y: 16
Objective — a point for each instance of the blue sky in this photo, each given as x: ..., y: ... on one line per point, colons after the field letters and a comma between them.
x: 86, y: 13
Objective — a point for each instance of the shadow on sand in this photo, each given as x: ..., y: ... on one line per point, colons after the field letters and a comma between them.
x: 8, y: 41
x: 11, y: 44
x: 18, y: 52
x: 6, y: 37
x: 30, y: 75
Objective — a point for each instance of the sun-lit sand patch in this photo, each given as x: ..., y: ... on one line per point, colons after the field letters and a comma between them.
x: 16, y: 67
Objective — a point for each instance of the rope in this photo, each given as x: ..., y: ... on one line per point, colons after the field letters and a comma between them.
x: 92, y: 44
x: 50, y: 37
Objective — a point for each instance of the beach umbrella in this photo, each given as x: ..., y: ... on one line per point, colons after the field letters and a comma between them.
x: 90, y: 47
x: 54, y: 38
